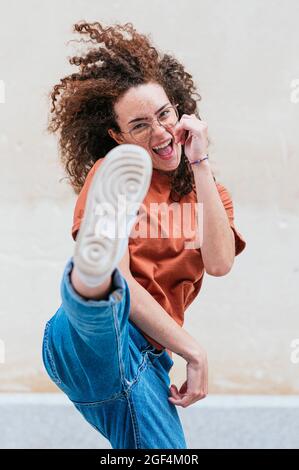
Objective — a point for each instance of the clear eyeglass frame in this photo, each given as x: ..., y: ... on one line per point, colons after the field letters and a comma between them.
x: 151, y: 125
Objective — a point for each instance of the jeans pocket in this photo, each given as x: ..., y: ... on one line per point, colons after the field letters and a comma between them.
x: 156, y: 352
x: 154, y: 356
x: 160, y: 359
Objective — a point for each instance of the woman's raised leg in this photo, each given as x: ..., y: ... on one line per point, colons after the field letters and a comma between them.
x: 86, y: 342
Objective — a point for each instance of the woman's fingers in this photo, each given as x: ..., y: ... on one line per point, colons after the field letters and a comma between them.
x: 178, y: 134
x: 174, y: 392
x: 195, y: 387
x: 187, y: 399
x: 182, y: 397
x: 183, y: 388
x: 178, y: 394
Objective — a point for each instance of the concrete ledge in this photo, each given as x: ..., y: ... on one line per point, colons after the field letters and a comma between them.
x: 49, y: 421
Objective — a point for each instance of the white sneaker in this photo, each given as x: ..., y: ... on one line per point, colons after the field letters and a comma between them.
x: 116, y: 192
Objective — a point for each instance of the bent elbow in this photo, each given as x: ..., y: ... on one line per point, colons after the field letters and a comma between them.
x: 219, y: 270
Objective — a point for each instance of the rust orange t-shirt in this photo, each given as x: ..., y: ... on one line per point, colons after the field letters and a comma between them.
x: 159, y: 259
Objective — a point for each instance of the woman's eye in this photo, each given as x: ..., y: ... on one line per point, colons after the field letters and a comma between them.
x: 138, y: 126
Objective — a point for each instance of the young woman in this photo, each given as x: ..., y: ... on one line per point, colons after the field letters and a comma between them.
x: 129, y: 127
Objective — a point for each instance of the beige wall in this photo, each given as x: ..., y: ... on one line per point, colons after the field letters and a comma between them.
x: 244, y: 58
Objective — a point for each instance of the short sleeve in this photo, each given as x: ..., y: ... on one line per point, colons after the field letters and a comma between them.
x: 81, y: 200
x: 226, y: 199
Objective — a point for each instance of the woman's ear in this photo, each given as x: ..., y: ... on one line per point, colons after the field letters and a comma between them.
x: 116, y: 136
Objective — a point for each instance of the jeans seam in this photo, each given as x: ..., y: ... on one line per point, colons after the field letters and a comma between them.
x: 141, y: 367
x: 137, y: 439
x: 46, y: 347
x: 134, y: 423
x: 91, y: 404
x: 117, y: 332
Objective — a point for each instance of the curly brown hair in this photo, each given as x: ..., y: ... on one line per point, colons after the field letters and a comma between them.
x: 83, y: 102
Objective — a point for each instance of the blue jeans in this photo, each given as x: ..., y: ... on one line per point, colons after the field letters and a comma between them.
x: 114, y: 377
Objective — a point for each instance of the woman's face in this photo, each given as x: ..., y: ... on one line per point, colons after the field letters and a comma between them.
x: 144, y: 101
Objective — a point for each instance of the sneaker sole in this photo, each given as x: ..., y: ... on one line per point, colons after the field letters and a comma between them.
x: 126, y: 171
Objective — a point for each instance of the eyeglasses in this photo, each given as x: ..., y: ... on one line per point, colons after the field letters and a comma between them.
x: 167, y: 118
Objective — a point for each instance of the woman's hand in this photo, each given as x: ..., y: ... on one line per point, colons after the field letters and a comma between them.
x: 196, y: 386
x: 193, y: 134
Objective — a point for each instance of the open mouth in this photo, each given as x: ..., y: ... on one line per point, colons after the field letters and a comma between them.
x: 166, y: 150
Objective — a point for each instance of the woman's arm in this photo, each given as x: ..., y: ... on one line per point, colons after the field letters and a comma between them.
x: 218, y: 244
x: 153, y: 320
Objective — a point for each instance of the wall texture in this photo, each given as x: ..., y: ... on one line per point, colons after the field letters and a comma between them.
x: 244, y: 58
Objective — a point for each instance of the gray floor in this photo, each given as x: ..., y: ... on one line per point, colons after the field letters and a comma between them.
x: 49, y: 421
